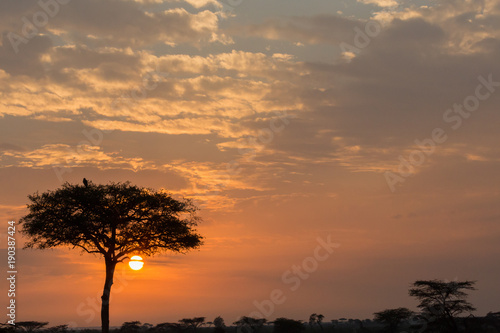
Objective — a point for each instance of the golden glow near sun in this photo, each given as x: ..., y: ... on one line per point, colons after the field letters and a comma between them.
x: 136, y: 263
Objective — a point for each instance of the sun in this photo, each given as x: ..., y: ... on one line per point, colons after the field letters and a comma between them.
x: 136, y: 263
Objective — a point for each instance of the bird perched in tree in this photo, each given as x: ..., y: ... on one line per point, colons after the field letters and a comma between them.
x: 85, y: 182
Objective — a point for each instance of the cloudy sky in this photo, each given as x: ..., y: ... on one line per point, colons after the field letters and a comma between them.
x: 371, y: 124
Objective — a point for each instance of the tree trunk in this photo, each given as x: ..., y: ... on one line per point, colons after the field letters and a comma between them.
x: 110, y: 270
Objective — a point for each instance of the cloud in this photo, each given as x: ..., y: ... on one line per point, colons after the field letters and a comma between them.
x: 137, y: 28
x: 192, y: 126
x: 204, y: 3
x: 367, y: 112
x: 465, y: 23
x: 28, y: 60
x: 358, y: 115
x: 194, y: 3
x: 89, y: 23
x: 325, y: 28
x: 380, y: 3
x: 62, y: 155
x: 112, y: 88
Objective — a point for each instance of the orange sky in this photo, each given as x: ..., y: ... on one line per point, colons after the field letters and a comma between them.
x: 284, y: 124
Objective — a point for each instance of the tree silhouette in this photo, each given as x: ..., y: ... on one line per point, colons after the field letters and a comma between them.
x: 393, y: 317
x: 193, y: 323
x: 442, y: 301
x: 31, y: 326
x: 169, y: 327
x: 146, y: 326
x: 285, y: 325
x: 220, y: 326
x: 250, y: 324
x: 492, y: 319
x: 113, y: 220
x: 319, y: 320
x: 131, y: 326
x: 312, y: 319
x: 316, y: 319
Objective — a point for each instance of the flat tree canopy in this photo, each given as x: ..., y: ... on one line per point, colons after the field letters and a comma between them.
x: 31, y: 326
x: 114, y: 220
x: 441, y: 301
x: 441, y: 297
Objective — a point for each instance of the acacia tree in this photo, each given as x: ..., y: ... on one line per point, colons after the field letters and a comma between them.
x: 131, y: 326
x: 113, y: 221
x: 393, y: 317
x: 31, y: 326
x: 193, y: 323
x: 443, y: 301
x: 248, y: 323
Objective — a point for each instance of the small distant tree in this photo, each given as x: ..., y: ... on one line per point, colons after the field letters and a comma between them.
x: 170, y: 327
x: 319, y: 320
x: 193, y: 323
x: 254, y: 324
x: 113, y: 221
x: 284, y: 325
x: 164, y: 327
x: 443, y: 301
x: 220, y: 326
x: 316, y: 319
x: 130, y: 326
x: 31, y: 326
x: 146, y: 326
x: 393, y: 317
x: 160, y: 327
x: 312, y: 319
